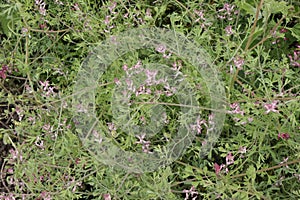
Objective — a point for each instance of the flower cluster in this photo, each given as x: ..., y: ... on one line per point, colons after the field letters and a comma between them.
x: 191, y: 193
x: 295, y: 59
x: 109, y: 18
x: 271, y: 107
x: 227, y: 11
x: 237, y: 112
x: 4, y: 71
x: 201, y: 19
x: 47, y: 88
x: 41, y: 6
x: 151, y: 79
x: 145, y: 144
x: 229, y: 161
x: 162, y: 49
x: 198, y: 126
x: 82, y: 16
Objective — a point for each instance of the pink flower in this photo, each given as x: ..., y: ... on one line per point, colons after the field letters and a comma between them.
x: 190, y: 193
x: 111, y: 126
x: 271, y: 107
x: 226, y: 11
x: 228, y: 30
x: 238, y: 62
x: 283, y: 136
x: 229, y: 159
x: 283, y: 30
x: 107, y: 196
x: 3, y: 71
x: 242, y: 150
x: 200, y: 15
x: 117, y: 81
x: 125, y: 67
x: 112, y: 7
x: 237, y: 109
x: 2, y: 74
x: 161, y: 48
x: 44, y: 84
x: 15, y: 154
x: 218, y: 168
x: 145, y: 143
x: 107, y: 20
x: 199, y: 124
x: 45, y: 195
x: 294, y: 60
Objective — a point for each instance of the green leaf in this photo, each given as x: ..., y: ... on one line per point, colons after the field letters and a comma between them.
x: 6, y: 139
x: 251, y: 172
x: 295, y: 31
x: 248, y: 8
x: 272, y: 6
x: 4, y: 25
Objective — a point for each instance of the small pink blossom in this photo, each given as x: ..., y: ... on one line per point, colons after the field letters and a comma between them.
x: 236, y: 109
x: 161, y: 48
x: 229, y: 159
x: 76, y: 7
x: 107, y: 20
x: 227, y: 11
x: 111, y: 126
x: 271, y: 107
x: 238, y: 62
x: 15, y: 154
x: 295, y: 58
x: 148, y: 13
x: 200, y: 15
x: 112, y: 7
x: 199, y: 124
x: 46, y: 127
x: 45, y: 195
x: 117, y: 81
x: 283, y: 136
x: 228, y: 30
x: 191, y: 193
x: 242, y: 150
x: 218, y: 168
x: 125, y: 67
x: 107, y: 196
x: 3, y: 71
x: 42, y: 6
x: 145, y: 144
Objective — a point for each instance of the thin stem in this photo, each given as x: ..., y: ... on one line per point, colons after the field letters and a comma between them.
x: 268, y: 169
x: 254, y: 24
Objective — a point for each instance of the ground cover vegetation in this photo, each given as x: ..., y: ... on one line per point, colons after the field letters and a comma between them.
x: 254, y: 47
